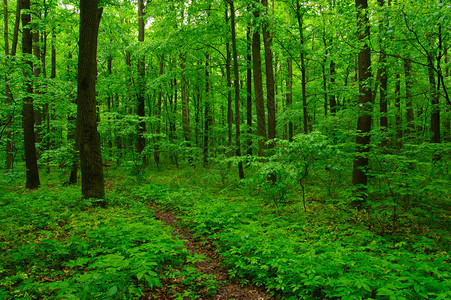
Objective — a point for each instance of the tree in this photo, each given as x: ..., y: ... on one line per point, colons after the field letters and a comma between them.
x: 270, y: 94
x: 236, y: 83
x: 31, y: 162
x: 359, y: 173
x: 258, y: 86
x: 141, y: 141
x: 93, y: 185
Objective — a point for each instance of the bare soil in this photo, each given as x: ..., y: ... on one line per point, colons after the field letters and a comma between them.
x: 212, y: 265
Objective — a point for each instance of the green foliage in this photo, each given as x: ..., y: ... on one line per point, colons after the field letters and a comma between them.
x: 326, y: 253
x: 57, y: 246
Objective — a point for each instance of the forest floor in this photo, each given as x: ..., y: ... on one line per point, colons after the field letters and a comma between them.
x: 211, y: 264
x: 199, y: 234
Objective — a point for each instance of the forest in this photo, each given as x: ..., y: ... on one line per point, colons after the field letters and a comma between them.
x: 225, y: 149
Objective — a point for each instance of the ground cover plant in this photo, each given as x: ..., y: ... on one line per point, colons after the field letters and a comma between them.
x: 55, y: 246
x: 323, y: 254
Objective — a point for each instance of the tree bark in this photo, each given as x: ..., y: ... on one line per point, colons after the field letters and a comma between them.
x: 8, y: 94
x: 141, y: 141
x: 409, y: 97
x: 207, y: 114
x: 31, y: 163
x: 359, y: 174
x: 383, y: 105
x: 237, y: 91
x: 159, y: 103
x: 90, y: 153
x: 435, y: 115
x: 249, y: 91
x: 290, y: 95
x: 300, y: 17
x: 258, y: 89
x: 185, y: 106
x: 270, y: 93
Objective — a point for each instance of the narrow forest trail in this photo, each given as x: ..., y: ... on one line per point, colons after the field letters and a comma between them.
x: 211, y: 265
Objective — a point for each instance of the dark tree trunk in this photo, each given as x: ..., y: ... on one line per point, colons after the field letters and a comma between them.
x: 229, y: 95
x: 31, y: 163
x: 207, y: 114
x: 37, y: 88
x: 258, y: 90
x: 398, y: 114
x: 435, y: 115
x: 141, y: 141
x: 290, y: 95
x: 332, y: 97
x: 237, y: 92
x: 300, y: 17
x: 8, y: 94
x: 159, y: 103
x: 185, y: 106
x: 270, y: 94
x: 383, y: 105
x: 409, y: 97
x: 249, y: 91
x: 92, y: 181
x: 359, y: 174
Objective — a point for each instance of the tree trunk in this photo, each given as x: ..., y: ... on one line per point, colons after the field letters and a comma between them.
x: 383, y: 106
x: 8, y: 94
x: 332, y: 97
x: 409, y: 97
x: 270, y: 94
x: 300, y: 17
x: 37, y: 88
x: 237, y: 92
x: 229, y: 95
x: 435, y: 115
x: 185, y: 106
x: 141, y: 141
x: 258, y: 89
x: 31, y: 163
x: 290, y: 95
x: 90, y: 153
x: 249, y: 91
x: 359, y: 174
x: 159, y: 103
x: 207, y: 114
x: 398, y: 114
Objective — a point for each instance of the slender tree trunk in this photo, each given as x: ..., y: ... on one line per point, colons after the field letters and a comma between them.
x: 270, y: 94
x: 207, y: 114
x: 398, y: 115
x: 290, y: 95
x: 300, y: 17
x: 332, y: 98
x: 409, y: 97
x: 31, y: 163
x: 435, y: 115
x: 185, y: 106
x: 249, y: 91
x: 258, y: 89
x: 383, y: 105
x: 359, y: 175
x: 229, y: 95
x: 237, y: 91
x: 37, y: 88
x: 8, y: 94
x: 159, y: 103
x: 93, y: 185
x: 141, y: 141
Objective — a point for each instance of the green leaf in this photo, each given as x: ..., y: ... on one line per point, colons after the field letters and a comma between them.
x: 112, y: 291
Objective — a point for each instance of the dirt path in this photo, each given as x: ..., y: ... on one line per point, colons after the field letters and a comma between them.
x: 211, y: 265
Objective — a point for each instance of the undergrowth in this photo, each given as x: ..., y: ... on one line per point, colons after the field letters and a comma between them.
x: 56, y: 246
x: 327, y: 252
